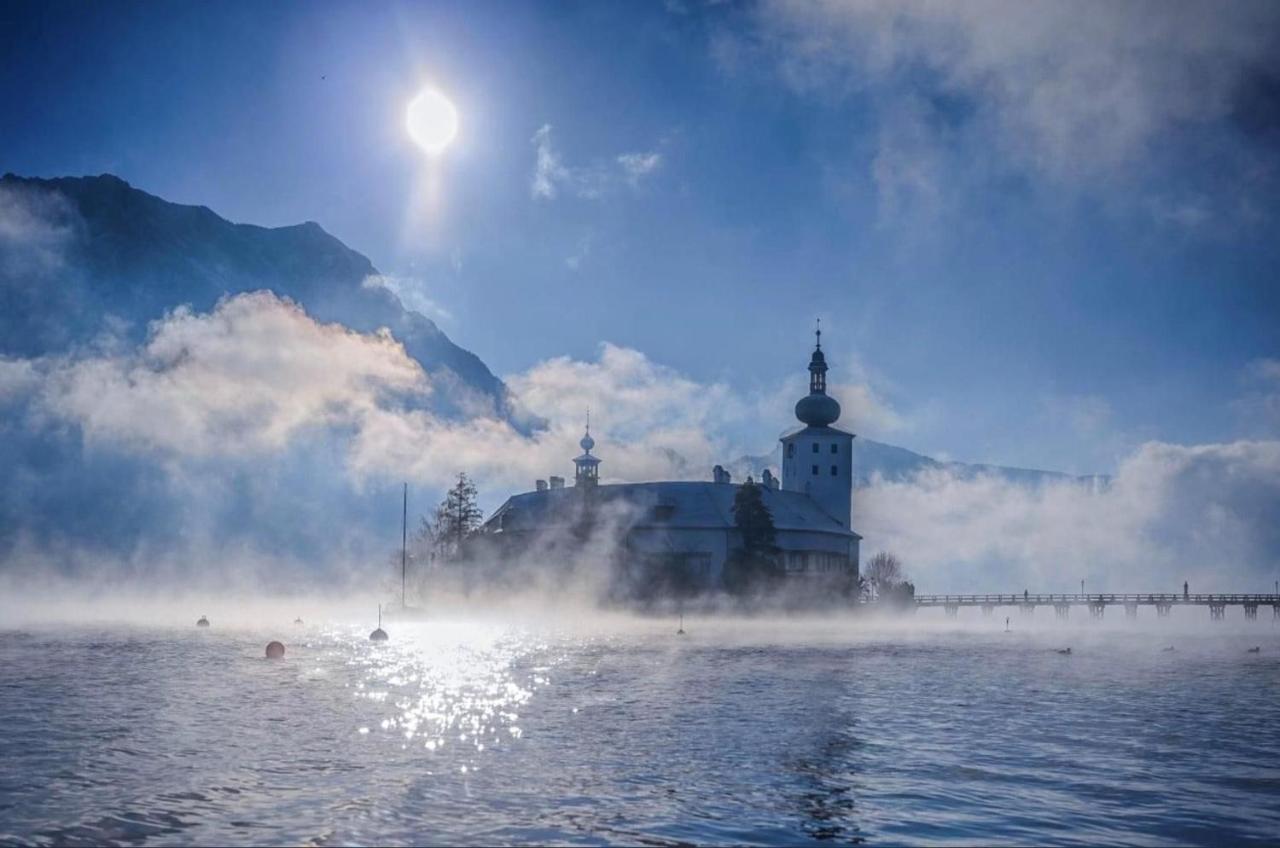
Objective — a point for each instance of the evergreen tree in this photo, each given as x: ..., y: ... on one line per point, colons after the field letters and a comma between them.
x: 457, y: 517
x: 756, y: 562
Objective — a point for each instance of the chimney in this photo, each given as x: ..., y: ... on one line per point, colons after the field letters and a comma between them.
x: 542, y: 485
x: 719, y: 475
x: 557, y: 482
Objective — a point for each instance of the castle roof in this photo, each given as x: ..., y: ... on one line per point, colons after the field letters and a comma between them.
x: 670, y: 504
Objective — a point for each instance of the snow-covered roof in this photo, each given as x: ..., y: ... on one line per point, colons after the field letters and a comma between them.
x: 691, y: 505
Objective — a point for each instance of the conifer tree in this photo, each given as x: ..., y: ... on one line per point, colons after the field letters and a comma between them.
x: 757, y: 560
x: 457, y: 517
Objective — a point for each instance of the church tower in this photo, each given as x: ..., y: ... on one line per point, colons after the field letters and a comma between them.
x: 587, y: 467
x: 818, y: 458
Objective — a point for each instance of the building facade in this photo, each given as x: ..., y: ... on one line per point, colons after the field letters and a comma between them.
x: 677, y: 536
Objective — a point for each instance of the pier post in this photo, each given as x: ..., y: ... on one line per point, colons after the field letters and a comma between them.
x: 1097, y: 608
x: 951, y: 609
x: 1162, y: 610
x: 1062, y: 610
x: 1027, y: 609
x: 987, y: 609
x: 1275, y: 610
x: 1250, y: 611
x: 1217, y: 611
x: 1130, y: 610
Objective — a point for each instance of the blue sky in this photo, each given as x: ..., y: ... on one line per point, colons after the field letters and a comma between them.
x: 1042, y: 237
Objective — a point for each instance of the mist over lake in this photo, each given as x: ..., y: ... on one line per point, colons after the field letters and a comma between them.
x: 606, y: 729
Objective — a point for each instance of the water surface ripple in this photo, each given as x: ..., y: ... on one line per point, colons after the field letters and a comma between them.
x: 496, y: 733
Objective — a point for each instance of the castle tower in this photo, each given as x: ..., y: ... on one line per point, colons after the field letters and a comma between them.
x: 587, y: 467
x: 818, y: 459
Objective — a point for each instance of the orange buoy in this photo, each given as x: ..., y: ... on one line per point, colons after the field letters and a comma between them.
x: 275, y: 650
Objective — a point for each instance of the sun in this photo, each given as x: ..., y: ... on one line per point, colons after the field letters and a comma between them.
x: 432, y: 121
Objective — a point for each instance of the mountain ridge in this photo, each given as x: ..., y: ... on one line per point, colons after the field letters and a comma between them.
x: 131, y: 255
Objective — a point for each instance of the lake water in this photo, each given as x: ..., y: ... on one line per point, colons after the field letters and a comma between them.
x: 618, y: 731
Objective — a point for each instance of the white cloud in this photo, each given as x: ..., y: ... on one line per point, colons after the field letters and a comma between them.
x: 256, y: 377
x: 247, y: 378
x: 548, y: 171
x: 412, y: 292
x: 35, y: 229
x: 574, y: 260
x: 1258, y: 407
x: 636, y: 166
x: 551, y: 175
x: 1171, y: 512
x: 1074, y: 93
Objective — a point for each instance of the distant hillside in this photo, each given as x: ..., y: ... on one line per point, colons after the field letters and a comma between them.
x: 124, y: 257
x: 873, y: 459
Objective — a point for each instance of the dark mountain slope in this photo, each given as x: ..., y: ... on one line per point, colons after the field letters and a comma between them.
x: 117, y: 256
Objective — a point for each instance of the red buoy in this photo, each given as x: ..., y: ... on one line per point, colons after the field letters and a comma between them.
x: 275, y: 650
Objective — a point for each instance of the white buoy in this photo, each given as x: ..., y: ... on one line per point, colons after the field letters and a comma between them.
x: 378, y: 635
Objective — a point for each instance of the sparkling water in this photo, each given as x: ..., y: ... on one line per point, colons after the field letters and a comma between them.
x: 619, y: 731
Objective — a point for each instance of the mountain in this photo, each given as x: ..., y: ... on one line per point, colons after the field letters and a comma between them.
x: 117, y: 257
x: 876, y: 460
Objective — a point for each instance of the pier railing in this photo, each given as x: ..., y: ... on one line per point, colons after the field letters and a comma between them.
x: 1149, y: 599
x: 1097, y: 602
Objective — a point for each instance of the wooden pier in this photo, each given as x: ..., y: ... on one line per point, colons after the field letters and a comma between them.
x: 1097, y: 603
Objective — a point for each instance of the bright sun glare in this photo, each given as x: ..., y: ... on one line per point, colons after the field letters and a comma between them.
x: 432, y: 121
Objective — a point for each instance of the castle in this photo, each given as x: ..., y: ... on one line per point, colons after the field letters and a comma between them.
x: 678, y: 535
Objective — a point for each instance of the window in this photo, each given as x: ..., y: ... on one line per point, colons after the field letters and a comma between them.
x: 791, y: 449
x: 815, y: 447
x: 815, y: 471
x: 835, y: 448
x: 835, y: 472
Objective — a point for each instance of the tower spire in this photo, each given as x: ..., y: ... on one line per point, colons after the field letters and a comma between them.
x: 818, y: 409
x: 588, y: 466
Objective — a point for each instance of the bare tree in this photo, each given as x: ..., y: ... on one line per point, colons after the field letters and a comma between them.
x: 884, y: 570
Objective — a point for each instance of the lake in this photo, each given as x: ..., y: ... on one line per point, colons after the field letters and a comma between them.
x: 577, y: 727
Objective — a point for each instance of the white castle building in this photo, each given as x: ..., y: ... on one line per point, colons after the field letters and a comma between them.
x: 681, y: 533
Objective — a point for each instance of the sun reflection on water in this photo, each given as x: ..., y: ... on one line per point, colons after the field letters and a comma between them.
x: 446, y: 686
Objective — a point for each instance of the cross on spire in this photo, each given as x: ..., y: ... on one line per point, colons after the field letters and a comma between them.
x: 818, y: 333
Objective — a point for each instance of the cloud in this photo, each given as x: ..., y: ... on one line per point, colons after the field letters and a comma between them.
x: 36, y: 227
x: 254, y: 429
x: 636, y: 166
x: 574, y: 260
x: 1258, y: 407
x: 551, y: 175
x: 246, y: 378
x: 1073, y: 94
x: 548, y: 171
x: 1170, y: 513
x: 412, y: 292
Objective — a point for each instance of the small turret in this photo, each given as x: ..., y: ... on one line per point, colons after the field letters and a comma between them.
x: 587, y: 473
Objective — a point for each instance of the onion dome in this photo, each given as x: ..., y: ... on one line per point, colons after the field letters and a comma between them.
x: 818, y: 409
